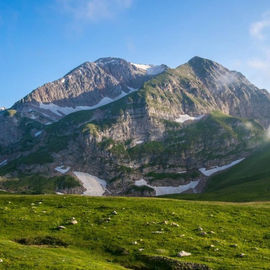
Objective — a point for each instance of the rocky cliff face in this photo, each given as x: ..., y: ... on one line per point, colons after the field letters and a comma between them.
x: 88, y: 86
x: 201, y: 86
x: 156, y: 123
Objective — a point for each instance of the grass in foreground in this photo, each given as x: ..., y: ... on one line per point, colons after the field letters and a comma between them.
x: 29, y: 238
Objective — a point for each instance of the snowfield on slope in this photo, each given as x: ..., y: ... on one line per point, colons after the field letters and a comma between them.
x: 94, y: 185
x: 61, y: 111
x: 62, y: 169
x: 218, y: 169
x: 169, y: 189
x: 185, y: 117
x: 150, y: 69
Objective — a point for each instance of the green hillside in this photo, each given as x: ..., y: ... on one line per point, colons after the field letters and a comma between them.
x: 247, y: 181
x: 131, y: 233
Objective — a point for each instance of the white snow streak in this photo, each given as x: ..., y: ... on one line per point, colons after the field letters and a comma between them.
x: 217, y: 169
x: 141, y: 66
x: 150, y: 69
x: 58, y: 110
x: 155, y: 70
x: 168, y: 189
x: 62, y: 169
x: 94, y: 185
x: 3, y: 163
x: 185, y: 117
x: 38, y: 133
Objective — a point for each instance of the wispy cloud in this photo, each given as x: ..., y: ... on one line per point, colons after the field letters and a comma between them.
x: 94, y: 10
x: 260, y: 65
x: 257, y: 29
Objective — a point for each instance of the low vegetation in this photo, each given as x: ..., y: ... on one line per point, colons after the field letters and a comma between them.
x: 37, y: 184
x: 244, y: 182
x: 131, y: 233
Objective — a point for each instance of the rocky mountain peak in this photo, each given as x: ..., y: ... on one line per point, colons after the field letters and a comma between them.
x: 205, y: 68
x: 110, y: 61
x: 88, y: 86
x: 216, y: 77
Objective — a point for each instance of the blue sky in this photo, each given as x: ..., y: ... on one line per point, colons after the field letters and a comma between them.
x: 41, y: 40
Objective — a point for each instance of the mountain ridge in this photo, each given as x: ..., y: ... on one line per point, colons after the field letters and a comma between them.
x: 197, y: 115
x: 86, y: 85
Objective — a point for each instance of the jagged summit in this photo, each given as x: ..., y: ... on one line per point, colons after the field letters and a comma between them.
x: 198, y: 59
x: 93, y: 84
x: 87, y: 86
x: 110, y: 60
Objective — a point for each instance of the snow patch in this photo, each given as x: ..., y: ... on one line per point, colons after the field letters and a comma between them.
x: 132, y: 89
x: 38, y: 133
x: 60, y: 111
x: 155, y: 70
x: 181, y: 172
x: 62, y: 169
x: 168, y: 189
x: 217, y: 169
x: 139, y: 142
x: 94, y: 185
x: 140, y: 183
x: 141, y: 66
x: 185, y: 117
x: 150, y: 69
x: 3, y: 163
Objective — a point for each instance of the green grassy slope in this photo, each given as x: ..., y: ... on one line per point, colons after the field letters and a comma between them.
x: 38, y: 184
x: 101, y: 240
x: 247, y: 181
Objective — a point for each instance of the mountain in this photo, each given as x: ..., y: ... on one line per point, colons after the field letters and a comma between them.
x: 146, y: 130
x: 88, y: 86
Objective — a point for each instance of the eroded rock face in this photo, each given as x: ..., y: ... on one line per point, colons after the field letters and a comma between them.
x: 88, y: 85
x: 10, y: 129
x: 231, y: 91
x: 201, y: 86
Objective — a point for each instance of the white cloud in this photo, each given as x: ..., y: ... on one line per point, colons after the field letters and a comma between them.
x: 94, y: 10
x: 257, y: 29
x: 260, y: 62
